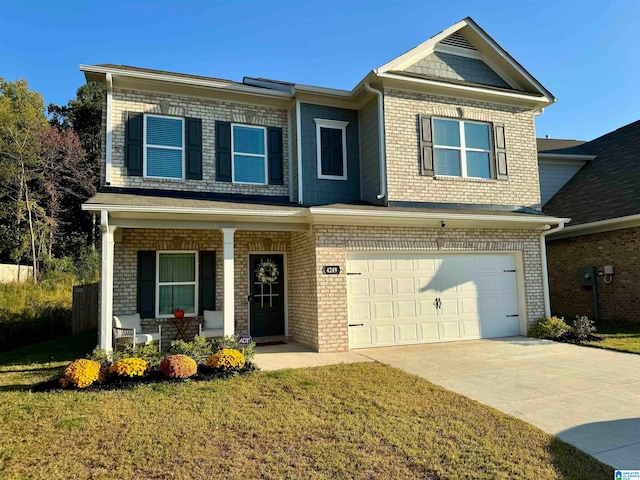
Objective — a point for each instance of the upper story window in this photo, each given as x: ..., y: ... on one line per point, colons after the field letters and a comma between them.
x: 163, y: 147
x: 249, y: 154
x: 176, y: 283
x: 461, y: 148
x: 331, y: 141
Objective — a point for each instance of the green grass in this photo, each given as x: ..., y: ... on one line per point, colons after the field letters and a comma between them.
x: 621, y: 339
x: 344, y: 421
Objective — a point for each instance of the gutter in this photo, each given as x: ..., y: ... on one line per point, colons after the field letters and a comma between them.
x: 545, y: 269
x: 107, y: 168
x: 566, y: 156
x: 381, y: 141
x: 299, y: 149
x: 215, y: 84
x: 618, y: 223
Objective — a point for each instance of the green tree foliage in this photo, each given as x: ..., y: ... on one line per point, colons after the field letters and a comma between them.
x: 46, y: 173
x: 22, y: 122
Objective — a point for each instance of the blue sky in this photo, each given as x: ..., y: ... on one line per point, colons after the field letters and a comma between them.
x: 587, y: 53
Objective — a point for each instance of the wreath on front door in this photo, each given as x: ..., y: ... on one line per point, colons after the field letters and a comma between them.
x: 267, y: 271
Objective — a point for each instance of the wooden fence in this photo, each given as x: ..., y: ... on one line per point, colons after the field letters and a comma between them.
x: 84, y: 315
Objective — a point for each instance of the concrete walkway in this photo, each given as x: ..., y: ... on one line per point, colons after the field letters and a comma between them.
x: 587, y: 397
x: 293, y: 355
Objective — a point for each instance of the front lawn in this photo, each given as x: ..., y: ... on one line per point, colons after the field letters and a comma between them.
x: 621, y: 339
x: 345, y: 421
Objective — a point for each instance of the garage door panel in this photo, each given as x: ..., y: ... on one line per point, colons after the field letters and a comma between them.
x: 403, y: 265
x: 358, y: 286
x: 360, y: 336
x: 404, y: 286
x: 384, y: 334
x: 450, y: 330
x: 471, y: 329
x: 380, y: 265
x: 405, y: 309
x: 429, y: 332
x: 382, y: 310
x: 358, y: 265
x: 408, y: 332
x: 395, y: 292
x: 382, y: 286
x: 359, y: 311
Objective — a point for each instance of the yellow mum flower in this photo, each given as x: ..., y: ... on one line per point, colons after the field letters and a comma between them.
x: 82, y: 373
x: 226, y: 358
x: 130, y: 367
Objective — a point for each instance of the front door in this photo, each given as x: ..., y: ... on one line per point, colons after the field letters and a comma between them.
x: 266, y: 295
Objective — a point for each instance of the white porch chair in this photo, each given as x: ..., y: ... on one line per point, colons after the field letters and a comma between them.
x: 213, y: 324
x: 127, y: 330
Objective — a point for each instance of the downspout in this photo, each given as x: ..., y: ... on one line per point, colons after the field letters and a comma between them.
x: 381, y: 142
x: 299, y: 149
x: 107, y: 168
x: 545, y: 270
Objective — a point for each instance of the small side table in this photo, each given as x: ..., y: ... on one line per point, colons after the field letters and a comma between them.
x: 182, y: 324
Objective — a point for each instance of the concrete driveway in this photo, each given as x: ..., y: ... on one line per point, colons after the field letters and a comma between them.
x: 587, y: 397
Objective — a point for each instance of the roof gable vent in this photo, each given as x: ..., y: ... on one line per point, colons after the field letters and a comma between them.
x: 457, y: 40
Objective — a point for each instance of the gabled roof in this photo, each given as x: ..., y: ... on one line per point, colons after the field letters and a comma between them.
x: 467, y: 33
x: 608, y: 186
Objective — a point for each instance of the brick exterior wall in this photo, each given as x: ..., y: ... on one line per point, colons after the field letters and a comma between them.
x: 317, y: 303
x: 303, y: 290
x: 134, y: 240
x: 333, y: 243
x: 404, y: 181
x: 209, y: 111
x: 619, y: 300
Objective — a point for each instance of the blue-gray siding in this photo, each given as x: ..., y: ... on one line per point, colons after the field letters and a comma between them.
x: 369, y: 151
x: 455, y: 67
x: 323, y: 192
x: 293, y: 181
x: 554, y: 175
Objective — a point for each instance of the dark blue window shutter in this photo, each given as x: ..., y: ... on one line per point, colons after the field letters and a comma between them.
x: 223, y: 151
x: 207, y: 276
x: 331, y: 152
x: 193, y: 152
x: 133, y: 144
x: 274, y: 145
x: 147, y: 284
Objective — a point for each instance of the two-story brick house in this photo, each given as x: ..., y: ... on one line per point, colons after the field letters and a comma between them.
x: 420, y: 185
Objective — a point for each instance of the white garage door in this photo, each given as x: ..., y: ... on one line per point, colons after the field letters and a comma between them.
x: 404, y: 298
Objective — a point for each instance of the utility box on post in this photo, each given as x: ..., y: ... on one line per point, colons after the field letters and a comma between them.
x: 588, y: 276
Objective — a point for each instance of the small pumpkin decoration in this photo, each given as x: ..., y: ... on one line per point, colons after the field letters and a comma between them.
x: 178, y: 314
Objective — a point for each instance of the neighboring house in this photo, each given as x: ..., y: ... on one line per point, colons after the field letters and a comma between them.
x: 405, y: 210
x: 603, y: 201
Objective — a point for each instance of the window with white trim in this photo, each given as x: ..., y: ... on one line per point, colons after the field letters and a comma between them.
x: 163, y: 147
x: 248, y: 156
x: 176, y: 281
x: 331, y: 146
x: 461, y: 148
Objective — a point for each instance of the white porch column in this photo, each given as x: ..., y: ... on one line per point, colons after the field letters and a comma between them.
x: 106, y: 282
x: 228, y: 281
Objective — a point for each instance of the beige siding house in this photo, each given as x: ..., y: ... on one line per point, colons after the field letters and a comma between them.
x: 203, y: 208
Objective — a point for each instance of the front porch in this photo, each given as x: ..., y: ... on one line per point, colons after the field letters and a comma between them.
x: 150, y: 268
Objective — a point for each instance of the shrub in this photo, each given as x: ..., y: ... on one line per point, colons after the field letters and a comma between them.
x: 549, y: 327
x: 199, y: 349
x: 225, y: 359
x: 178, y: 366
x: 582, y: 328
x: 231, y: 342
x: 82, y: 373
x: 130, y: 367
x: 148, y: 353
